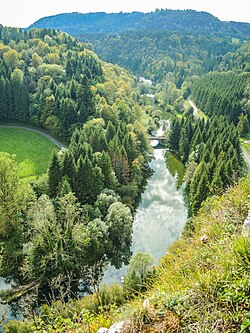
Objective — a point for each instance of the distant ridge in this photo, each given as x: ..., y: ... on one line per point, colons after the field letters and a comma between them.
x: 182, y: 21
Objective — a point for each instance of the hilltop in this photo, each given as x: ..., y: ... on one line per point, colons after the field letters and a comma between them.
x: 182, y: 21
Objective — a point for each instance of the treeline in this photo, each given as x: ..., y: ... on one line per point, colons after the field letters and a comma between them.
x: 225, y: 93
x: 211, y: 152
x: 155, y: 54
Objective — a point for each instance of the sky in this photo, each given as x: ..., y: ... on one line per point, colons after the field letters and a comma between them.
x: 22, y: 13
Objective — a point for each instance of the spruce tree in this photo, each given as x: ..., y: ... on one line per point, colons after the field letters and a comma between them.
x: 54, y: 175
x: 86, y: 102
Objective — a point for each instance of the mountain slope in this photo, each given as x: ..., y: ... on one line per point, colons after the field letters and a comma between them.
x: 182, y: 21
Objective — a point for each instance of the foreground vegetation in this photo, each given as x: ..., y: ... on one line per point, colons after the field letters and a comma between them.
x: 32, y: 150
x: 201, y: 285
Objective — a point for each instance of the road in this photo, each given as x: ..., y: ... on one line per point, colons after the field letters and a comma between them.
x: 50, y: 137
x: 196, y: 110
x: 246, y: 157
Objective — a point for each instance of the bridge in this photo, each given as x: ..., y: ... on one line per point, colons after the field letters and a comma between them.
x: 158, y: 138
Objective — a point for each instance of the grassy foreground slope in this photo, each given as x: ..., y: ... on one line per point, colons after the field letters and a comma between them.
x: 203, y: 282
x: 32, y: 150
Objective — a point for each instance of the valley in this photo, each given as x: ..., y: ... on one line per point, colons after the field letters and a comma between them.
x: 98, y: 223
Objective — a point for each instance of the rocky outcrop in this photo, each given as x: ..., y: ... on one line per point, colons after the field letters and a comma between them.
x: 246, y: 226
x: 115, y: 328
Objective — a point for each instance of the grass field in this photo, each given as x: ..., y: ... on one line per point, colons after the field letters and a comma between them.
x: 32, y: 150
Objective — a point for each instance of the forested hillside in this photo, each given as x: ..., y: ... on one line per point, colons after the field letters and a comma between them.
x: 59, y: 232
x: 210, y: 149
x: 182, y: 21
x: 160, y: 54
x: 51, y: 80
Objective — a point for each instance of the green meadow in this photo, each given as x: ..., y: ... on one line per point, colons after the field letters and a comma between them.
x: 32, y: 150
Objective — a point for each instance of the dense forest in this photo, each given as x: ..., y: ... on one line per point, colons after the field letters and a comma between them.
x: 224, y: 93
x: 160, y: 54
x: 182, y: 21
x: 212, y: 154
x: 52, y: 81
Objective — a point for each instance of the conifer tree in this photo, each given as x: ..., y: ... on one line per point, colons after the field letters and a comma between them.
x: 54, y: 175
x: 86, y: 103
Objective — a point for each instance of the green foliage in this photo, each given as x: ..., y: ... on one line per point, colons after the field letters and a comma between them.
x: 202, y: 281
x: 223, y: 93
x: 14, y: 326
x: 40, y: 72
x: 140, y: 271
x: 174, y: 55
x: 243, y: 125
x: 211, y: 152
x: 15, y: 197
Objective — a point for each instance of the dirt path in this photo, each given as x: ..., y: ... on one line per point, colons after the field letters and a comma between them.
x: 50, y: 137
x: 196, y: 110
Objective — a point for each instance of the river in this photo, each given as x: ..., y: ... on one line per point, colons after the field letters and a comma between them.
x: 4, y: 309
x: 160, y: 217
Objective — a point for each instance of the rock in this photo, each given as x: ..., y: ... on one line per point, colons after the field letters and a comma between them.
x: 204, y: 239
x: 246, y: 226
x: 146, y: 303
x: 116, y: 327
x: 103, y: 330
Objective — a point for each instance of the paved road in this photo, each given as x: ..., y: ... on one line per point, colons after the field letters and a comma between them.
x: 50, y: 137
x: 246, y: 157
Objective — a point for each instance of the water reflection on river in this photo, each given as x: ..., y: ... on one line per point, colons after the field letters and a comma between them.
x: 159, y: 219
x: 4, y: 309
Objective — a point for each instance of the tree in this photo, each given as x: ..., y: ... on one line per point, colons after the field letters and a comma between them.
x: 119, y: 221
x: 140, y: 269
x: 86, y: 103
x: 15, y: 196
x: 51, y: 259
x: 199, y: 189
x: 54, y: 175
x: 183, y: 145
x: 243, y: 125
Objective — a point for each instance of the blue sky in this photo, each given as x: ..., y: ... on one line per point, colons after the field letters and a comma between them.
x: 22, y: 13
